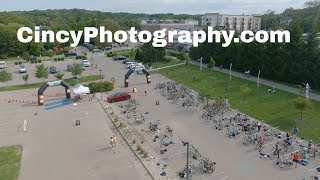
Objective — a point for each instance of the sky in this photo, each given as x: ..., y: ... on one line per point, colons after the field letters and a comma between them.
x: 158, y: 6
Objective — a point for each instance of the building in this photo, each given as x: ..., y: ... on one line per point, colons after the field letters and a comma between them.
x: 154, y: 25
x: 232, y: 22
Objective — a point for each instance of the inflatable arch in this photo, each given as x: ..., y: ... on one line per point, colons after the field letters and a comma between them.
x: 126, y: 77
x: 49, y: 84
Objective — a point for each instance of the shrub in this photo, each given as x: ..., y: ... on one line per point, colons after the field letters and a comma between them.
x: 134, y: 141
x: 32, y: 62
x: 16, y: 63
x: 62, y: 59
x: 3, y: 56
x: 139, y: 148
x: 100, y: 86
x: 145, y: 153
x: 39, y: 61
x: 55, y: 59
x: 78, y: 57
x: 83, y: 57
x: 20, y: 62
x: 110, y: 54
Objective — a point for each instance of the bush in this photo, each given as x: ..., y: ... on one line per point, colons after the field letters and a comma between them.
x: 62, y: 59
x: 3, y: 56
x: 100, y: 86
x: 55, y: 59
x: 20, y: 62
x: 84, y: 58
x: 32, y: 62
x: 39, y: 61
x: 16, y: 63
x: 110, y: 54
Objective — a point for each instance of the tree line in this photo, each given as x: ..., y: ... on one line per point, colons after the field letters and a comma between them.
x: 294, y: 62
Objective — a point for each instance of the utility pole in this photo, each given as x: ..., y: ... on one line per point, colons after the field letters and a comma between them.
x: 230, y: 71
x: 187, y: 168
x: 201, y: 64
x: 258, y: 81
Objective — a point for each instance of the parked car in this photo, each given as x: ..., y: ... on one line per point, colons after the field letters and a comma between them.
x: 70, y: 54
x: 33, y: 58
x: 108, y: 48
x: 127, y: 60
x: 120, y: 96
x: 22, y: 69
x: 97, y: 50
x: 119, y: 58
x: 53, y: 70
x: 3, y: 65
x: 86, y: 63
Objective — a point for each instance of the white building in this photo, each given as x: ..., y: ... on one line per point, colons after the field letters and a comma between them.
x: 232, y: 22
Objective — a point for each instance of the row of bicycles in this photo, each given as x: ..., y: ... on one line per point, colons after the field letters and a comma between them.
x: 178, y: 94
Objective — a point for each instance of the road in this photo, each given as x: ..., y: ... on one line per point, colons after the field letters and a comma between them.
x: 264, y: 81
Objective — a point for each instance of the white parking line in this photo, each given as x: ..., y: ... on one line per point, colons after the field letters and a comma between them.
x: 215, y: 174
x: 224, y: 178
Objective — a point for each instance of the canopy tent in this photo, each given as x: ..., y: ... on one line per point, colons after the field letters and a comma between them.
x: 81, y: 90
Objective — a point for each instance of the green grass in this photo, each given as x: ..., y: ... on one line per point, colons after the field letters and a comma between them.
x: 10, y: 158
x: 274, y: 109
x: 38, y: 85
x: 165, y: 63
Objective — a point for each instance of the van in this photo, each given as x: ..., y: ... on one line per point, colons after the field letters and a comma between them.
x: 3, y: 65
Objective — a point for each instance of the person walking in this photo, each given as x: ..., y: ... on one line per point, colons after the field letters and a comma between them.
x: 111, y: 142
x: 145, y: 92
x: 114, y: 138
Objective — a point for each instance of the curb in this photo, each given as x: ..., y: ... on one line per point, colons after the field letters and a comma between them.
x: 127, y: 141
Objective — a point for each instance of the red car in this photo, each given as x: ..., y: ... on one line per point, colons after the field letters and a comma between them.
x: 119, y: 97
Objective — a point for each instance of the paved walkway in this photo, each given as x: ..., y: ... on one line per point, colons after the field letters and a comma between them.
x: 263, y: 81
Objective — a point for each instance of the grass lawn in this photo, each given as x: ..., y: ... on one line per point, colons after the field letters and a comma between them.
x: 165, y: 63
x: 274, y: 109
x: 38, y: 85
x: 10, y: 158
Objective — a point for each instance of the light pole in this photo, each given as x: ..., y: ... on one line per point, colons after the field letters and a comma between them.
x: 156, y: 60
x: 187, y: 169
x: 230, y: 71
x: 258, y: 81
x: 100, y: 75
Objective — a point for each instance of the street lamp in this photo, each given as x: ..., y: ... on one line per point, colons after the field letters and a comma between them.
x: 156, y: 60
x: 100, y: 75
x: 187, y: 169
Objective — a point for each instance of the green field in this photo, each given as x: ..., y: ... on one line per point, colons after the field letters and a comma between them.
x: 10, y: 158
x: 38, y: 85
x: 274, y: 109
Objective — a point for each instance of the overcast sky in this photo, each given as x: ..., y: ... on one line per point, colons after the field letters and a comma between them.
x: 158, y: 6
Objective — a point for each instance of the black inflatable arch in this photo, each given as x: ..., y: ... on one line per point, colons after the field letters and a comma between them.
x: 126, y: 77
x: 49, y: 84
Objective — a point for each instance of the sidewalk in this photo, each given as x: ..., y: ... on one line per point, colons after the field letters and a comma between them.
x: 263, y: 81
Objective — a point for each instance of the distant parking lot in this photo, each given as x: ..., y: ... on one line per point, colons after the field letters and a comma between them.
x: 31, y: 69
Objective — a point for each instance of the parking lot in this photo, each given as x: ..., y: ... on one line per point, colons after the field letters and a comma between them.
x: 234, y: 160
x: 54, y: 148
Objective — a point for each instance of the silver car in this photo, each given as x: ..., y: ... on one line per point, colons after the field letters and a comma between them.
x: 22, y: 69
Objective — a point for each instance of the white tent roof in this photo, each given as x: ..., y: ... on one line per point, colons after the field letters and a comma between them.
x: 81, y: 90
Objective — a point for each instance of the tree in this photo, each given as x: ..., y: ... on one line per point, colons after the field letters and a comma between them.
x: 301, y: 104
x: 205, y: 93
x: 59, y: 75
x: 26, y: 56
x: 212, y: 63
x: 76, y: 69
x: 244, y: 91
x: 41, y: 72
x: 25, y: 78
x: 5, y: 76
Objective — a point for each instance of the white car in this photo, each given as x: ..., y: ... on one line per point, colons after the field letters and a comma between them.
x: 86, y: 63
x: 137, y: 65
x: 22, y: 69
x: 3, y: 65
